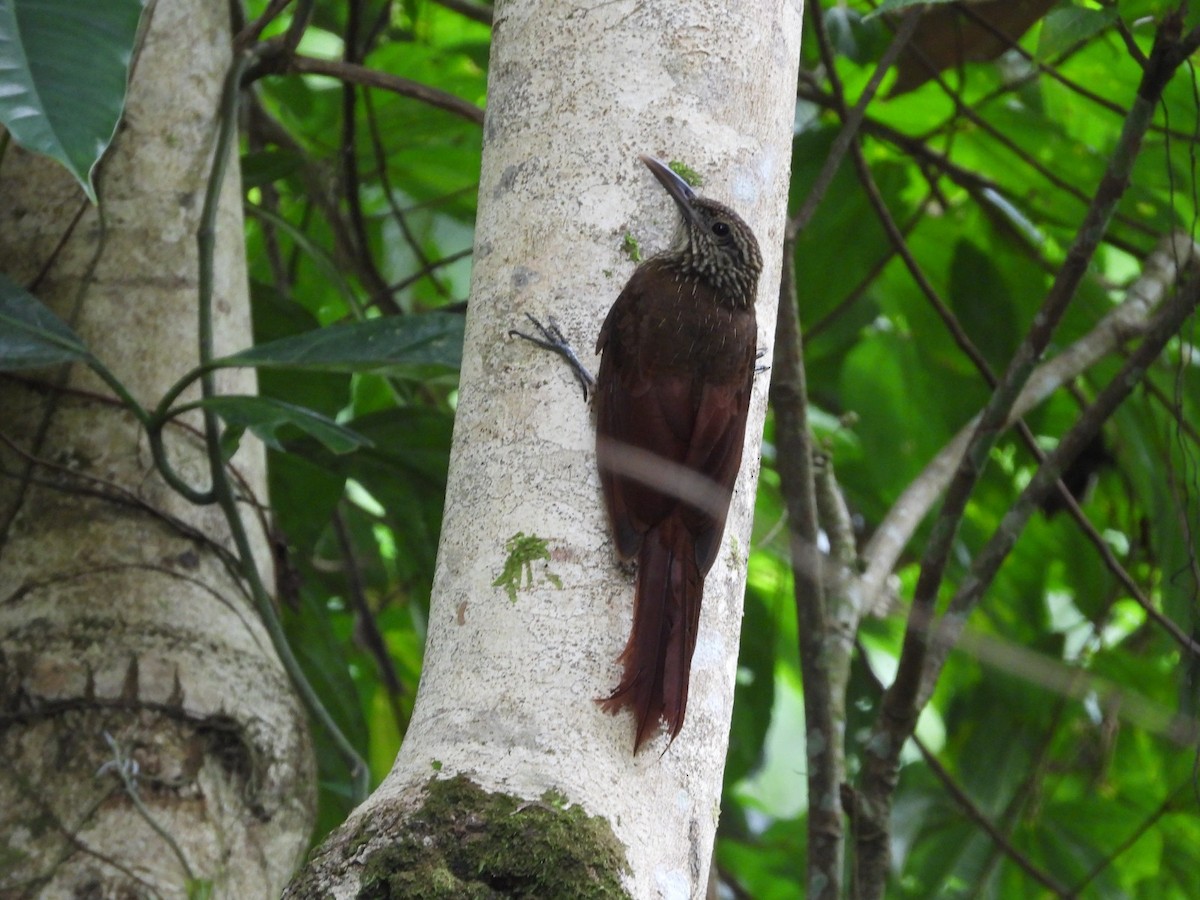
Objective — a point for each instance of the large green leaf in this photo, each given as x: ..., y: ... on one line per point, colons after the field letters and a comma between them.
x: 1065, y: 28
x: 265, y: 416
x: 31, y: 335
x: 405, y: 471
x: 429, y: 341
x: 277, y: 317
x: 63, y: 70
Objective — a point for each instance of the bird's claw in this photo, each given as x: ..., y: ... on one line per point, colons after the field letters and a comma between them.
x: 758, y: 370
x: 554, y: 340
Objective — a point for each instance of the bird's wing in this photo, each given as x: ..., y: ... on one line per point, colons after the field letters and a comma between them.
x: 715, y: 451
x: 693, y: 427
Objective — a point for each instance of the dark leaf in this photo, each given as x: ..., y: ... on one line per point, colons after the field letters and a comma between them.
x: 265, y: 416
x: 65, y: 64
x: 392, y: 343
x: 31, y: 335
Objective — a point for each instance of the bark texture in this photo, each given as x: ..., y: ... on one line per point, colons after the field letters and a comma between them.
x: 125, y: 637
x: 576, y: 91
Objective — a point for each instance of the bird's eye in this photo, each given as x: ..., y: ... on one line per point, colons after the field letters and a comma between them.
x: 720, y: 229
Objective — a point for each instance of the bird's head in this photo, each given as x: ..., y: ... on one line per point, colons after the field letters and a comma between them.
x: 715, y: 244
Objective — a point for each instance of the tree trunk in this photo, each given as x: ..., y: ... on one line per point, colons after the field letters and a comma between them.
x: 514, y: 661
x: 127, y: 642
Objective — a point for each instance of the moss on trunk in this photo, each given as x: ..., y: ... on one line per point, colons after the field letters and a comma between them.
x: 464, y: 843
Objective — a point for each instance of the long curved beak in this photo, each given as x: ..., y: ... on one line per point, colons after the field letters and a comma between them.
x: 681, y: 192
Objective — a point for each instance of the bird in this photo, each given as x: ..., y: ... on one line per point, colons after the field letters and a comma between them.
x: 678, y: 355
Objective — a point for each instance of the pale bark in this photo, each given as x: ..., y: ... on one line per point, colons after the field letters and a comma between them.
x: 119, y: 613
x: 576, y: 91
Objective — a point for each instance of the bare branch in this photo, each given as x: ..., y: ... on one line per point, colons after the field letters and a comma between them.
x: 824, y: 674
x: 988, y: 561
x: 917, y: 667
x: 355, y: 74
x: 1127, y: 322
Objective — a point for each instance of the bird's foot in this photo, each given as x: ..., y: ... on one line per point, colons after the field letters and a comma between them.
x: 759, y: 369
x: 555, y: 341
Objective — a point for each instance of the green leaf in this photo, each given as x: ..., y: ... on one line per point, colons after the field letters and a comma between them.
x: 766, y: 868
x: 267, y: 166
x: 983, y: 303
x: 894, y: 5
x: 1064, y: 28
x: 276, y: 317
x: 431, y: 340
x: 265, y: 416
x: 31, y: 335
x: 63, y: 71
x: 405, y: 471
x: 1132, y: 10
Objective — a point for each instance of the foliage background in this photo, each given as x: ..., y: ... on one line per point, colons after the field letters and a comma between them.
x: 1058, y: 720
x: 1104, y: 801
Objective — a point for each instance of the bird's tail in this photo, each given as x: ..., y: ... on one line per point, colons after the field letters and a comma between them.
x: 666, y: 619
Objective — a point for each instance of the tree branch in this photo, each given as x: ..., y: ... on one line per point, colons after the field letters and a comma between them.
x: 824, y: 675
x: 354, y: 51
x: 823, y: 744
x: 901, y: 703
x: 987, y: 563
x: 852, y: 119
x: 1165, y: 266
x: 355, y: 74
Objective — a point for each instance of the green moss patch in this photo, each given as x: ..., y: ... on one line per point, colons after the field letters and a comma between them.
x: 523, y: 551
x: 467, y: 844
